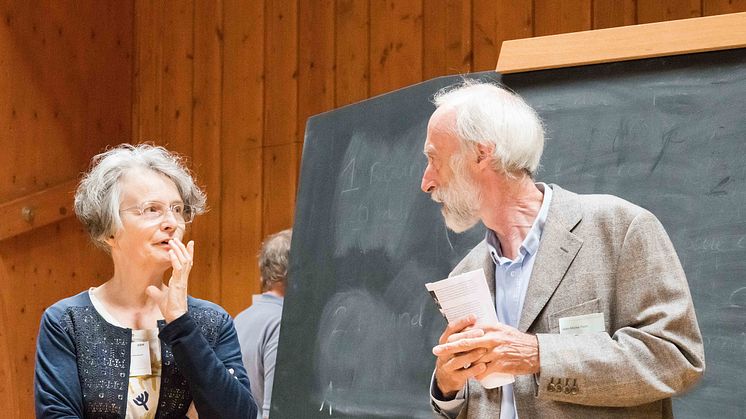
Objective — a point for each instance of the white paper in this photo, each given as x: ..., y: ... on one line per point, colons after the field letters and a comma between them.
x: 465, y: 294
x: 140, y: 359
x: 580, y: 325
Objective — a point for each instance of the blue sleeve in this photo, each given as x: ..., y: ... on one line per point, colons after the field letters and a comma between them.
x: 57, y: 392
x: 217, y: 378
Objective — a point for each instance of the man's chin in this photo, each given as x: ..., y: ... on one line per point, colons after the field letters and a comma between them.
x: 459, y: 226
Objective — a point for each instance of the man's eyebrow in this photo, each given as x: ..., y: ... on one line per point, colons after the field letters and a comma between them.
x: 429, y: 150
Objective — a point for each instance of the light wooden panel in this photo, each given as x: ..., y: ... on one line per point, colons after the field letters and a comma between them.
x: 205, y: 105
x: 148, y: 62
x: 316, y: 72
x: 352, y: 45
x: 241, y: 150
x: 619, y: 44
x: 8, y: 395
x: 395, y: 44
x: 66, y: 75
x: 241, y: 231
x: 177, y: 34
x: 495, y: 22
x: 38, y: 209
x: 280, y: 183
x: 281, y: 76
x: 447, y: 46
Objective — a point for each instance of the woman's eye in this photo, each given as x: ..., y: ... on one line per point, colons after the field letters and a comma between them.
x: 151, y: 209
x: 178, y: 209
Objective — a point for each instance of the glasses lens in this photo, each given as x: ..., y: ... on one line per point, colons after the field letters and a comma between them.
x: 187, y: 213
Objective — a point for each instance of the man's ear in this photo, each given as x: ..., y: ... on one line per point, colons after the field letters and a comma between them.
x: 484, y: 153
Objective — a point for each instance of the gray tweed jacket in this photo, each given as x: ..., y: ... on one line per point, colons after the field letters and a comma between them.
x: 599, y: 253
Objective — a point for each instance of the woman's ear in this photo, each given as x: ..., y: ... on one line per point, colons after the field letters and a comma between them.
x: 110, y: 240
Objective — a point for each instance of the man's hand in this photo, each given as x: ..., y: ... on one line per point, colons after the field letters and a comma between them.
x: 456, y: 364
x: 506, y: 350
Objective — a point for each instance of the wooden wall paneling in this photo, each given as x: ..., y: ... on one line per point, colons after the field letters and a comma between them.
x: 395, y: 44
x: 560, y: 16
x: 67, y: 78
x: 352, y: 44
x: 447, y: 40
x: 281, y: 75
x: 315, y: 61
x: 649, y: 11
x: 717, y: 7
x: 8, y: 385
x: 148, y: 65
x: 38, y: 209
x: 612, y: 13
x: 495, y: 22
x: 205, y: 107
x: 177, y: 74
x: 245, y: 26
x: 109, y: 108
x: 45, y: 265
x: 280, y: 186
x: 241, y: 226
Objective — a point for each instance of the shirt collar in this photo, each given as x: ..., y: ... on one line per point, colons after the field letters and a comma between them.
x: 530, y: 244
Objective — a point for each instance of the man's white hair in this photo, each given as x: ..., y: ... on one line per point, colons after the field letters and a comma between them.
x: 491, y: 115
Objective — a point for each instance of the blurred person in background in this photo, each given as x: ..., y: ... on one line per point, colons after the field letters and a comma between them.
x: 259, y: 325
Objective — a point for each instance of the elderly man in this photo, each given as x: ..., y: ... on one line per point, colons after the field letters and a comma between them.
x: 595, y: 315
x: 258, y: 326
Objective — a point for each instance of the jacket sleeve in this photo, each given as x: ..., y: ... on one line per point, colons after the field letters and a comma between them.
x: 655, y: 351
x: 217, y: 378
x: 57, y: 392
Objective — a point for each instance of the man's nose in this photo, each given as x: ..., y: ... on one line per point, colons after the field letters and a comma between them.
x: 428, y: 180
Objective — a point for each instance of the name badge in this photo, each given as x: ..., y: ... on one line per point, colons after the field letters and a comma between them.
x: 579, y: 325
x: 140, y: 359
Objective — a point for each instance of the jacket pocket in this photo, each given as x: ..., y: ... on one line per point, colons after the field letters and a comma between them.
x: 588, y: 307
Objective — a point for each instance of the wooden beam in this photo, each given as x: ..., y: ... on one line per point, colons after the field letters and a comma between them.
x: 37, y: 209
x: 625, y: 43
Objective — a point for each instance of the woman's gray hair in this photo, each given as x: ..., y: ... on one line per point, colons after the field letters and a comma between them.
x: 99, y: 191
x: 274, y: 258
x: 491, y: 115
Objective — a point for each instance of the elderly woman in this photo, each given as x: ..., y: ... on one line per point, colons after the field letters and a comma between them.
x: 135, y: 347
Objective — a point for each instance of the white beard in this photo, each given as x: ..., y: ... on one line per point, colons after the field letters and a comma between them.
x: 459, y: 198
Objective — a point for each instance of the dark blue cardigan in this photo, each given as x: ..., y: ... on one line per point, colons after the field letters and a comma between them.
x: 83, y: 362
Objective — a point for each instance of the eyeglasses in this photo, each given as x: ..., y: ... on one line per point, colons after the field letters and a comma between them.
x: 155, y: 211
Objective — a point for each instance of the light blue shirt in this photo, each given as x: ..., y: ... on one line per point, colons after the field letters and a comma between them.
x: 511, y: 283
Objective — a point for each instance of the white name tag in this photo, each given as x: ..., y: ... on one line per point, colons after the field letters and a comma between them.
x: 579, y: 325
x: 140, y: 359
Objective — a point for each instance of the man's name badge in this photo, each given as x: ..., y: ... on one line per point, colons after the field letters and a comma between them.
x: 140, y: 359
x: 580, y: 325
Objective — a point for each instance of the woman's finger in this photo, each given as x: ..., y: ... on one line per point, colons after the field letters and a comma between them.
x: 175, y: 262
x: 190, y: 249
x: 178, y: 247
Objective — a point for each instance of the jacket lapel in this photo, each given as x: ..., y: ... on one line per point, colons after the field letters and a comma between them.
x: 557, y: 250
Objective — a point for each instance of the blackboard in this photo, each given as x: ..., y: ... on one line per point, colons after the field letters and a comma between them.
x: 668, y: 134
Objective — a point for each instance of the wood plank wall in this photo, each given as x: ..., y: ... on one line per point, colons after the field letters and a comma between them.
x: 65, y: 74
x: 229, y: 84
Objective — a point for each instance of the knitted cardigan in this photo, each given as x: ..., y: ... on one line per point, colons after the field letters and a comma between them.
x: 83, y: 362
